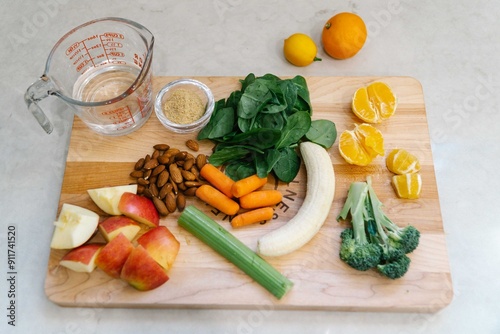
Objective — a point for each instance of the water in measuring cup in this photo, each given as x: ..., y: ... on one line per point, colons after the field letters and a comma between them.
x: 107, y: 82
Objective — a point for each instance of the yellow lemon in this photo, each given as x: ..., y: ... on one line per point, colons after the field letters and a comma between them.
x: 300, y: 50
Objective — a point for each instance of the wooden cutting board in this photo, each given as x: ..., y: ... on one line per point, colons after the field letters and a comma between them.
x: 201, y: 278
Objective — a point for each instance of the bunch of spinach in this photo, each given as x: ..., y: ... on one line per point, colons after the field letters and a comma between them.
x: 258, y: 128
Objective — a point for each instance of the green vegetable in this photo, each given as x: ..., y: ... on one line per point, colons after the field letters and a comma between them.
x: 224, y: 243
x: 263, y: 123
x: 374, y: 241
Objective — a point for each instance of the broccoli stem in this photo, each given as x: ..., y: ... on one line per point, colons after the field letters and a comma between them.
x: 355, y: 204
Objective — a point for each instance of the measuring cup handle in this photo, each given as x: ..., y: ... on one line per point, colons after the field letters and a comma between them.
x: 39, y: 90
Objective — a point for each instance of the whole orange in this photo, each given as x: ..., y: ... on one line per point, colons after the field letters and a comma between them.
x: 343, y: 35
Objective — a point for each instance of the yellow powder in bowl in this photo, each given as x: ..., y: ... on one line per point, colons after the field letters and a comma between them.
x: 183, y: 107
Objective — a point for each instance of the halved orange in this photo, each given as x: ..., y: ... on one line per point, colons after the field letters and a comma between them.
x: 361, y: 145
x: 374, y: 103
x: 407, y: 185
x: 400, y: 161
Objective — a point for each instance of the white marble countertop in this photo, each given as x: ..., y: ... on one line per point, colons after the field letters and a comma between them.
x: 451, y: 47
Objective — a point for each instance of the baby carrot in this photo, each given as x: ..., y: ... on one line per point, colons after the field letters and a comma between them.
x: 217, y: 179
x: 247, y: 185
x: 260, y: 198
x: 253, y: 216
x: 218, y: 200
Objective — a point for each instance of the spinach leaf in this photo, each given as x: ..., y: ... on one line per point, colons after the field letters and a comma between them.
x: 247, y: 81
x: 254, y: 98
x: 322, y: 132
x: 245, y: 124
x: 221, y: 123
x: 238, y: 169
x: 233, y: 99
x: 272, y: 156
x: 226, y: 154
x: 303, y: 101
x: 261, y: 167
x: 288, y: 165
x: 262, y: 138
x: 289, y: 91
x: 273, y: 121
x: 295, y: 128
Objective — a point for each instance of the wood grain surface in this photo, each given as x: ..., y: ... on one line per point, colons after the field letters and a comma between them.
x: 201, y: 278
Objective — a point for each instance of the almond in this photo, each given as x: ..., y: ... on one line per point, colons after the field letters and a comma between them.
x: 167, y: 188
x: 155, y: 154
x: 188, y: 176
x: 172, y: 151
x: 181, y: 202
x: 161, y: 147
x: 175, y: 173
x: 162, y: 178
x: 201, y: 161
x: 147, y: 174
x: 190, y: 191
x: 160, y: 206
x: 142, y: 182
x: 188, y: 163
x: 171, y: 202
x: 163, y: 159
x: 181, y: 156
x: 151, y: 164
x: 139, y: 164
x: 137, y: 174
x: 193, y: 145
x: 158, y: 169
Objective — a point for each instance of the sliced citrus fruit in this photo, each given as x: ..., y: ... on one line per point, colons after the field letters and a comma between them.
x: 361, y: 145
x: 407, y: 185
x: 400, y: 161
x: 374, y: 103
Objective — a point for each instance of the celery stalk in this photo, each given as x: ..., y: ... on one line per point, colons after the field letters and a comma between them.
x: 227, y: 245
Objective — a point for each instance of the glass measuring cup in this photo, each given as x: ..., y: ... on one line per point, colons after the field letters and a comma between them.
x: 102, y: 70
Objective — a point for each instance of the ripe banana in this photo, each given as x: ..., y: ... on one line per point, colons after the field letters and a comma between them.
x: 314, y: 210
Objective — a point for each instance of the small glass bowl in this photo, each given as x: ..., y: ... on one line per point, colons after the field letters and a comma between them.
x: 189, y: 84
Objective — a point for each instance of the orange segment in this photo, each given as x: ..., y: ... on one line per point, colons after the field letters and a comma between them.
x: 400, y: 161
x: 361, y: 145
x: 374, y: 103
x: 407, y: 185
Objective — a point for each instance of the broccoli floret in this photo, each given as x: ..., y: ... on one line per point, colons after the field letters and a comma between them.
x: 355, y: 249
x: 359, y: 255
x: 396, y: 268
x: 374, y: 240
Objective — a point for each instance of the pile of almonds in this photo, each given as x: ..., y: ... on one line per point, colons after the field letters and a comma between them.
x: 168, y: 175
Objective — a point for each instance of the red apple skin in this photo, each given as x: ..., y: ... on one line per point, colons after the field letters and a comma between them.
x: 161, y: 244
x: 113, y: 225
x: 142, y: 272
x: 139, y: 208
x: 84, y: 254
x: 112, y: 256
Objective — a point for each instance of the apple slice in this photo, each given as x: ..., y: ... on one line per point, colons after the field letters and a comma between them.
x: 115, y: 225
x: 161, y: 244
x: 142, y: 271
x: 74, y: 227
x: 112, y: 256
x: 139, y: 208
x: 107, y: 198
x: 81, y: 259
